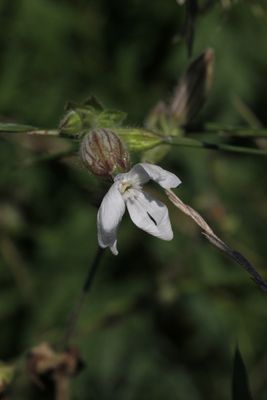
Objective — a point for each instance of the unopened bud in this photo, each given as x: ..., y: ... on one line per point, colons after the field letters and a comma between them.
x: 71, y: 123
x: 192, y: 89
x: 103, y: 153
x: 139, y: 139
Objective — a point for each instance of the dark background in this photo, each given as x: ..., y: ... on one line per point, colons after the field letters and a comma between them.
x: 163, y: 318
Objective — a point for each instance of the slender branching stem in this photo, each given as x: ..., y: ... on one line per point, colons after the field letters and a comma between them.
x: 75, y: 313
x: 194, y: 143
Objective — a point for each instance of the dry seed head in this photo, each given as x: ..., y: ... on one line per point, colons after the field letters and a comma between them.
x: 193, y: 88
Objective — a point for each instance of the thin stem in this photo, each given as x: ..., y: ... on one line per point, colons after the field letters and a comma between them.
x: 187, y: 142
x: 225, y: 130
x: 62, y: 386
x: 216, y: 241
x: 44, y: 132
x: 75, y: 313
x: 88, y: 282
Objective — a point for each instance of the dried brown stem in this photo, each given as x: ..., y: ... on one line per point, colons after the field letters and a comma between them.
x: 62, y: 387
x: 216, y: 241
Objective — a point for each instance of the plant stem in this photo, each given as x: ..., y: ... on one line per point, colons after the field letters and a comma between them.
x: 75, y: 313
x: 216, y: 241
x: 194, y: 143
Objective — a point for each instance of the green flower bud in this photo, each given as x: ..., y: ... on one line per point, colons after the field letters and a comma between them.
x: 71, y: 123
x: 103, y: 153
x: 79, y: 118
x: 139, y: 139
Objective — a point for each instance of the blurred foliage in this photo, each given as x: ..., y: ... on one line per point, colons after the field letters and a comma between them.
x: 163, y: 318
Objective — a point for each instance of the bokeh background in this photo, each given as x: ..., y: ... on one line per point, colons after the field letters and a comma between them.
x: 163, y: 318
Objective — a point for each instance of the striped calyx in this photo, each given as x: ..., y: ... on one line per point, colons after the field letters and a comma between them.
x: 103, y: 153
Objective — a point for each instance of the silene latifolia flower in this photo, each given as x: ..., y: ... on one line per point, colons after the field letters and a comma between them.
x: 146, y: 212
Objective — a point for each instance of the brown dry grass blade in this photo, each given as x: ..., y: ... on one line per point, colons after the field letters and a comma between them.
x: 216, y: 241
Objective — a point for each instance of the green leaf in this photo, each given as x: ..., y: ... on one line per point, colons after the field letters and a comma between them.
x: 80, y: 117
x: 110, y: 118
x: 94, y: 102
x: 240, y: 383
x: 10, y: 127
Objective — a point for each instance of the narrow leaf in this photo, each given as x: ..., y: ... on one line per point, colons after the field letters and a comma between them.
x: 94, y: 102
x: 240, y: 383
x: 110, y: 118
x: 10, y: 127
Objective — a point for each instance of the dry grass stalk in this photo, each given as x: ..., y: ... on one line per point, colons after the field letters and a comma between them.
x: 216, y: 241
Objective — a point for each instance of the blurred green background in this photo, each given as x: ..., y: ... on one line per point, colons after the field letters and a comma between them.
x: 163, y: 318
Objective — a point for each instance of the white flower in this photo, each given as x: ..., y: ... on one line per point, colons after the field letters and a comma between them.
x: 146, y: 212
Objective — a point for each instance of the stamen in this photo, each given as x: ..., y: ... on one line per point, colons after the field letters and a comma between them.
x: 124, y: 186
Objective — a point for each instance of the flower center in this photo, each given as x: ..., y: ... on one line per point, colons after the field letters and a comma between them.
x: 125, y: 186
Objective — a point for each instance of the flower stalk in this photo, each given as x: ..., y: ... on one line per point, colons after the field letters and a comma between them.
x: 75, y: 313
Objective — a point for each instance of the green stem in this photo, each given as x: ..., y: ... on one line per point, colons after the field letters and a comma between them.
x: 44, y: 132
x: 194, y: 143
x: 225, y: 130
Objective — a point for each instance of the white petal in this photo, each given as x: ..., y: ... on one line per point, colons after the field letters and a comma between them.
x: 109, y: 216
x: 164, y: 178
x: 150, y: 215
